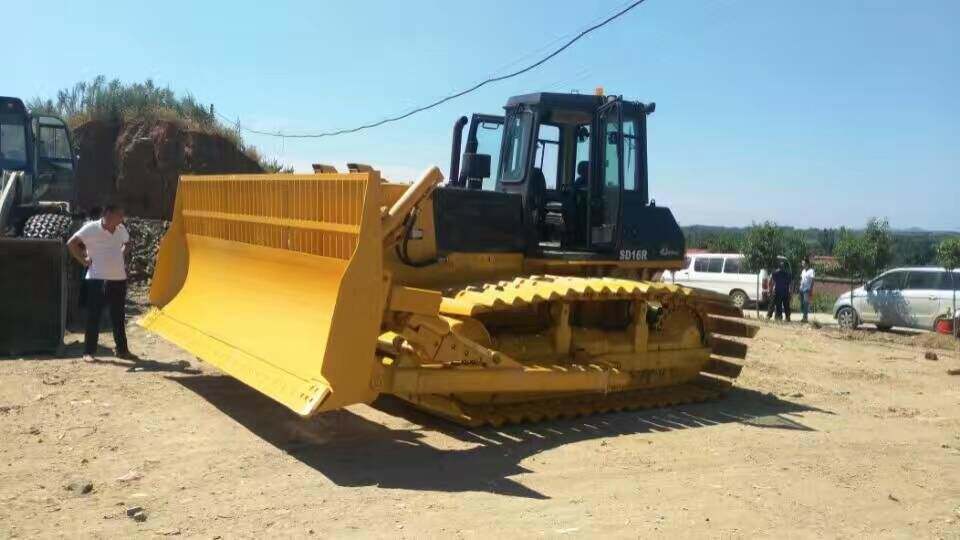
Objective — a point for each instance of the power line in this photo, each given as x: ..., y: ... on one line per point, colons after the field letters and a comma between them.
x: 547, y: 46
x: 443, y: 100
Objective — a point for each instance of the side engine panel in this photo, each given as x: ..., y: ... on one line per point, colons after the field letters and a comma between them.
x: 649, y: 233
x: 473, y: 221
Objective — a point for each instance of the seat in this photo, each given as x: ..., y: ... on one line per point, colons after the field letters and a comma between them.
x: 555, y: 216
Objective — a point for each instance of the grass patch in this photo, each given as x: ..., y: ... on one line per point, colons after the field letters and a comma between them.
x: 820, y: 303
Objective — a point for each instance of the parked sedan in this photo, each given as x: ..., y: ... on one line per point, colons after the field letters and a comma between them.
x: 910, y: 297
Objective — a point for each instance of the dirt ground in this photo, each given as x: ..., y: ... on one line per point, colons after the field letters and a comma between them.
x: 825, y: 435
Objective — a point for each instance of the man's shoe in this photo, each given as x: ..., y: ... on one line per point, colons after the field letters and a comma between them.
x: 89, y: 358
x: 127, y: 355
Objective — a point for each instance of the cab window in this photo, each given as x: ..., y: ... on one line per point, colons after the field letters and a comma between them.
x: 517, y: 134
x: 489, y: 137
x: 548, y: 154
x: 13, y: 141
x: 52, y: 143
x: 582, y: 170
x: 631, y: 155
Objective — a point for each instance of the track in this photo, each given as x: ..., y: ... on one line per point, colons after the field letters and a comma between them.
x: 676, y: 349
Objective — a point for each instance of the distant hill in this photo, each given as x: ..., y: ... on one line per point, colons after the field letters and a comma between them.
x: 736, y: 229
x: 911, y: 246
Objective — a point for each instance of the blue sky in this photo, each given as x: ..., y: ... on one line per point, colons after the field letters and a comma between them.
x: 816, y: 113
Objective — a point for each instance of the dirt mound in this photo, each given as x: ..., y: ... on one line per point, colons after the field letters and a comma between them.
x: 910, y: 338
x: 140, y: 163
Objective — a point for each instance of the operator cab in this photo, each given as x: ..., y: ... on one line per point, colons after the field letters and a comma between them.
x: 41, y: 147
x: 577, y: 165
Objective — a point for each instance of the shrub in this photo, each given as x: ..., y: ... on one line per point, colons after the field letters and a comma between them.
x: 820, y: 303
x: 115, y: 101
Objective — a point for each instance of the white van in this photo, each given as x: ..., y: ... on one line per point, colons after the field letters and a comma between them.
x: 720, y: 272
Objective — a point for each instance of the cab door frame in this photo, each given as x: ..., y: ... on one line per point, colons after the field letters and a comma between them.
x: 59, y: 170
x: 472, y: 146
x: 597, y: 180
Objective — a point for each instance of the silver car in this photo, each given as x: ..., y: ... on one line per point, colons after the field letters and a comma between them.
x: 910, y: 297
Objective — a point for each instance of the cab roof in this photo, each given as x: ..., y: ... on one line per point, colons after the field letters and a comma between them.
x: 575, y: 102
x: 12, y: 105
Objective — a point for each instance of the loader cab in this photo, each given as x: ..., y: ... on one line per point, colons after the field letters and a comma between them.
x: 41, y: 147
x: 578, y: 166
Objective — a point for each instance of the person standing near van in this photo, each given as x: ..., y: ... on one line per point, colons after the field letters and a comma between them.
x: 806, y: 288
x: 100, y: 246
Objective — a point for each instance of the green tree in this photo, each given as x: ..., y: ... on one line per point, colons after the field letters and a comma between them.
x: 724, y: 243
x: 761, y: 246
x: 827, y: 238
x: 795, y: 249
x: 948, y: 253
x: 865, y: 255
x: 854, y: 258
x: 913, y: 250
x: 878, y: 244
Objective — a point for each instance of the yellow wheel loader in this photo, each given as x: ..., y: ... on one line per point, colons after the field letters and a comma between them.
x: 521, y: 290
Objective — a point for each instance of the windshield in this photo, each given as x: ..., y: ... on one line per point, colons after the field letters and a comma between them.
x: 52, y: 142
x: 13, y: 142
x: 517, y: 135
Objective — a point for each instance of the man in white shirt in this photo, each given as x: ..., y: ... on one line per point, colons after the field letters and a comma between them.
x: 100, y: 246
x: 806, y: 288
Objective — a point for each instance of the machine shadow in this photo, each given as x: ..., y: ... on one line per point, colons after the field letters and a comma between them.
x: 351, y: 450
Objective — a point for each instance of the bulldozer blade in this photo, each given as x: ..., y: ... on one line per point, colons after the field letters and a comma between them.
x: 277, y: 281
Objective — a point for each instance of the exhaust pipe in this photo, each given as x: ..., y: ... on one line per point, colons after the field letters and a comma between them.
x: 455, y: 151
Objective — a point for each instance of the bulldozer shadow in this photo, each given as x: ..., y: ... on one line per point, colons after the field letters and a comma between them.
x: 354, y: 447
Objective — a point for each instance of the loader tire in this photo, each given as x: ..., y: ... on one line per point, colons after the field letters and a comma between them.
x: 52, y: 226
x: 61, y: 227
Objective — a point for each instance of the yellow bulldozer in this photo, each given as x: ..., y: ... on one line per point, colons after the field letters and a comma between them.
x: 521, y: 290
